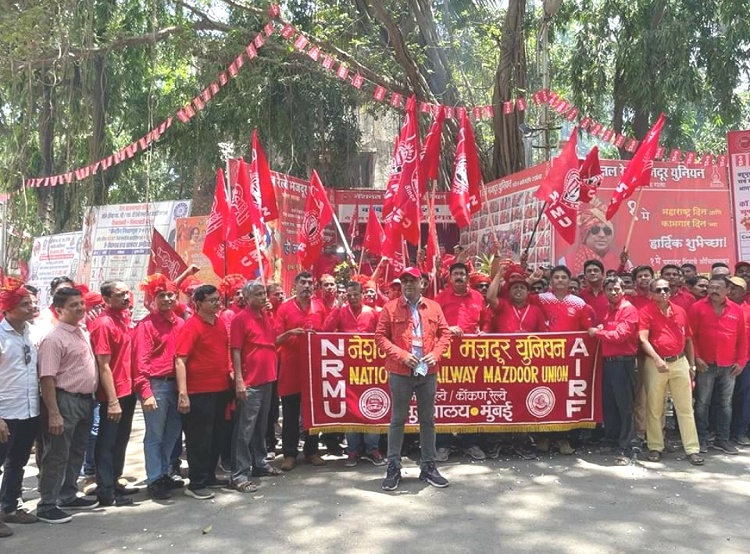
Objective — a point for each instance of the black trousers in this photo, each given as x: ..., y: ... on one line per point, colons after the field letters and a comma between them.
x: 111, y: 444
x: 618, y: 402
x: 273, y: 417
x: 204, y: 428
x: 290, y: 431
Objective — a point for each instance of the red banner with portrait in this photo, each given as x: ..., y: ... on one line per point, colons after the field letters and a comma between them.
x: 486, y: 383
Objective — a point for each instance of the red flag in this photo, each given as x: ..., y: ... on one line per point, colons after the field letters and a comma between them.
x: 406, y: 212
x: 638, y: 172
x: 214, y: 245
x: 260, y: 182
x: 429, y: 163
x: 374, y: 234
x: 318, y: 214
x: 465, y: 196
x: 591, y: 175
x: 561, y: 189
x: 243, y: 258
x: 353, y: 230
x: 389, y: 200
x: 244, y: 213
x: 163, y: 258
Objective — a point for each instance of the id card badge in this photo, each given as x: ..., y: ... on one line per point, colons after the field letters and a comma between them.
x: 417, y: 342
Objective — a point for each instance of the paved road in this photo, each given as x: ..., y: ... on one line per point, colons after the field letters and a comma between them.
x: 575, y: 504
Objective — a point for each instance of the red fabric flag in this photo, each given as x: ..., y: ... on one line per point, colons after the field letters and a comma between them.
x: 429, y: 163
x: 591, y: 175
x: 638, y: 172
x: 216, y: 230
x: 318, y: 214
x: 244, y: 258
x: 244, y: 214
x: 561, y: 190
x: 374, y: 234
x: 407, y: 209
x: 465, y: 196
x: 163, y: 258
x: 261, y: 184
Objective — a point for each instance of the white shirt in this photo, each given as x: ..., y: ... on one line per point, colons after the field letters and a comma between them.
x: 19, y: 383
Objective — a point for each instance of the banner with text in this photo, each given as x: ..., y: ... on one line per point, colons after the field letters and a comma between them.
x: 738, y: 148
x: 53, y: 256
x: 487, y: 383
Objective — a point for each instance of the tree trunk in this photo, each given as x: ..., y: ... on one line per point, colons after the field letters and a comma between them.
x: 99, y: 102
x: 46, y: 145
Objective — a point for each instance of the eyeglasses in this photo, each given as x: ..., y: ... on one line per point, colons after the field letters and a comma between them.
x: 483, y: 286
x: 596, y: 229
x: 661, y: 290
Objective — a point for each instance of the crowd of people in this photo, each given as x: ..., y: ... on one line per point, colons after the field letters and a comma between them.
x: 218, y: 364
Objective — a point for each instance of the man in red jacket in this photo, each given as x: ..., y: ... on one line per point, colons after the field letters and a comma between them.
x: 413, y: 333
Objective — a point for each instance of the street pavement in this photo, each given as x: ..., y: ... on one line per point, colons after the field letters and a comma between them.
x: 569, y: 504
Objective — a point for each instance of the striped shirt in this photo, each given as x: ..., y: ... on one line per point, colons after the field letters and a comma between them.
x: 66, y: 355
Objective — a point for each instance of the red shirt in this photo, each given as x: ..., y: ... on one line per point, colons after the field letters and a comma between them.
x: 569, y: 314
x: 110, y: 336
x: 598, y: 302
x: 508, y: 319
x: 154, y: 347
x: 719, y: 339
x: 344, y: 320
x: 666, y: 333
x: 293, y: 351
x: 639, y: 300
x: 463, y: 310
x: 325, y: 264
x: 206, y: 347
x: 683, y: 298
x: 254, y: 335
x: 619, y: 337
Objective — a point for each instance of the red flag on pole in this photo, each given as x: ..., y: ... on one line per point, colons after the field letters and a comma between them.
x: 243, y: 258
x: 260, y: 181
x: 638, y: 172
x: 560, y: 190
x: 406, y: 212
x: 429, y: 163
x: 214, y: 245
x: 244, y: 213
x: 465, y: 196
x: 591, y: 175
x: 318, y: 214
x: 163, y: 258
x: 374, y: 234
x: 353, y: 230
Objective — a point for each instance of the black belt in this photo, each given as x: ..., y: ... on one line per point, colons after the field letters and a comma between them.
x: 619, y: 358
x: 673, y: 358
x: 163, y: 378
x: 82, y: 395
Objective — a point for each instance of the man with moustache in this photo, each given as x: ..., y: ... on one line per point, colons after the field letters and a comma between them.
x: 593, y: 292
x: 720, y: 340
x: 155, y: 383
x: 678, y: 295
x: 112, y: 345
x: 697, y: 286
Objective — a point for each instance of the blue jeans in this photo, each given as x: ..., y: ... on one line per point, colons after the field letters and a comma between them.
x: 89, y: 461
x: 163, y: 427
x: 14, y: 454
x: 249, y: 433
x: 714, y: 381
x: 354, y: 442
x: 402, y: 389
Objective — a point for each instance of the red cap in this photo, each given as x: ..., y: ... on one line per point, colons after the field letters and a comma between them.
x: 412, y: 272
x: 517, y: 279
x: 740, y: 264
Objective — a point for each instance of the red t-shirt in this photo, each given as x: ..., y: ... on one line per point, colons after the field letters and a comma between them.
x: 206, y: 347
x: 344, y: 320
x: 463, y: 310
x: 667, y: 333
x: 508, y: 319
x: 110, y: 336
x: 719, y: 339
x: 254, y: 335
x: 598, y: 302
x: 569, y: 314
x: 293, y: 351
x: 639, y: 300
x: 683, y: 298
x: 154, y: 348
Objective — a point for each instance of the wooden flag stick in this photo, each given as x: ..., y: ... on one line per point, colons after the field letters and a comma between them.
x: 626, y: 246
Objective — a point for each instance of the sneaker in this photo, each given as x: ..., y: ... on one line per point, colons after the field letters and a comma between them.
x: 431, y: 475
x: 288, y: 463
x: 443, y: 454
x: 89, y: 485
x: 173, y: 482
x: 703, y: 446
x: 271, y: 456
x: 217, y: 483
x: 200, y: 494
x: 742, y: 440
x: 80, y: 503
x: 392, y: 478
x: 158, y: 490
x: 5, y: 531
x: 20, y: 516
x: 352, y: 459
x: 725, y: 446
x: 315, y: 460
x: 475, y: 453
x: 117, y: 501
x: 54, y: 515
x: 375, y: 458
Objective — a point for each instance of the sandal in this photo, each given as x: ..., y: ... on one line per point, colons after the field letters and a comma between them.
x: 654, y: 456
x: 695, y: 459
x: 246, y: 486
x: 622, y: 460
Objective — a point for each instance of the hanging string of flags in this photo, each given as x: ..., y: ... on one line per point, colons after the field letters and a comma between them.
x: 303, y: 43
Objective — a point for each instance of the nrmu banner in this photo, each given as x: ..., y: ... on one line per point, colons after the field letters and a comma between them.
x: 487, y: 383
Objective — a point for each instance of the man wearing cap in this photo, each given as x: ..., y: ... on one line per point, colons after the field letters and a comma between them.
x: 155, y: 383
x: 741, y: 396
x: 19, y: 400
x: 413, y: 333
x: 720, y: 344
x: 666, y: 338
x: 230, y: 289
x: 516, y: 314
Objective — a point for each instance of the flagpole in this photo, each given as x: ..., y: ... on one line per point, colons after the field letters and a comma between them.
x: 626, y: 246
x: 530, y: 243
x: 361, y: 260
x: 260, y: 255
x: 348, y: 250
x: 431, y: 205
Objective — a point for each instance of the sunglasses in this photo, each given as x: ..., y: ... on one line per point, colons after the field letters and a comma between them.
x: 596, y: 229
x: 661, y: 290
x: 483, y: 286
